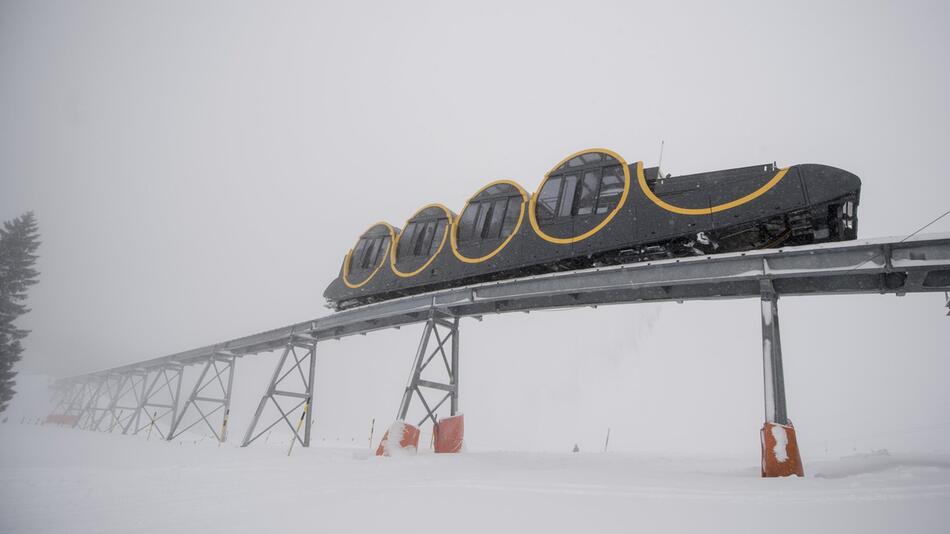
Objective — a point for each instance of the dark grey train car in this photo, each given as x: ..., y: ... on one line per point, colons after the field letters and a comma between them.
x: 594, y: 209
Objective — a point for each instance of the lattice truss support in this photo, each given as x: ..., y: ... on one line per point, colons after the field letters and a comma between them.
x: 62, y: 394
x: 95, y: 402
x: 443, y: 332
x: 74, y: 399
x: 122, y: 391
x: 292, y: 379
x: 211, y: 395
x: 158, y: 402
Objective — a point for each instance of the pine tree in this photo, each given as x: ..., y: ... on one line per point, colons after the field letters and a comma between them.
x: 19, y: 240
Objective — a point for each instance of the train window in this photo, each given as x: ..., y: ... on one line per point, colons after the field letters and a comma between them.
x: 491, y: 191
x: 483, y: 211
x: 371, y: 247
x: 467, y: 222
x: 511, y: 216
x: 547, y: 199
x: 381, y: 251
x: 585, y: 159
x: 587, y: 193
x: 491, y: 218
x: 405, y: 240
x: 611, y: 189
x: 423, y: 238
x: 493, y: 229
x: 567, y: 196
x: 467, y: 229
x: 437, y: 237
x: 357, y: 256
x: 484, y: 217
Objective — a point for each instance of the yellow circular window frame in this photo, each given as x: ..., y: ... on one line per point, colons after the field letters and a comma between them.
x: 532, y: 209
x: 349, y: 257
x: 455, y: 224
x: 445, y: 235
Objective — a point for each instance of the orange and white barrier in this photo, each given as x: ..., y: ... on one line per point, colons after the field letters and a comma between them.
x: 69, y: 420
x: 401, y: 438
x: 449, y: 434
x: 780, y: 456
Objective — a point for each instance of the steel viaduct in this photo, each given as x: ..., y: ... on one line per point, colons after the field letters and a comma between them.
x: 148, y: 394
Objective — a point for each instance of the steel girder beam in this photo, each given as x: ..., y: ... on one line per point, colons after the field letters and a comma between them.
x: 445, y: 330
x: 303, y: 351
x: 213, y: 400
x: 158, y: 401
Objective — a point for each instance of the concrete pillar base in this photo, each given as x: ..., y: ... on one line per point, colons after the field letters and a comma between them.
x: 401, y: 438
x: 449, y: 434
x: 780, y: 456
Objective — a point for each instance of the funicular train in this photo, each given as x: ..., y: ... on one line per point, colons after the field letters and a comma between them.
x: 594, y: 209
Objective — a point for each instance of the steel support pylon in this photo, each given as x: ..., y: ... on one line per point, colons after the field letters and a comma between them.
x: 445, y: 330
x: 303, y: 352
x: 73, y: 402
x: 159, y: 400
x: 87, y: 414
x: 773, y: 376
x: 125, y: 403
x: 117, y: 414
x: 201, y: 395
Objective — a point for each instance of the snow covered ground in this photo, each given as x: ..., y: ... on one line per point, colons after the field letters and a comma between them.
x: 60, y: 480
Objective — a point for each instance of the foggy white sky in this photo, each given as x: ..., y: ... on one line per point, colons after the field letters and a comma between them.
x: 199, y: 169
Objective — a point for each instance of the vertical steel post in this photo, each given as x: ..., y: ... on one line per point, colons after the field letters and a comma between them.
x: 416, y: 370
x: 773, y: 376
x: 143, y: 400
x: 227, y: 400
x: 309, y: 410
x: 90, y: 404
x: 303, y: 399
x: 151, y: 389
x: 267, y: 393
x: 135, y: 418
x: 176, y: 416
x: 113, y: 400
x: 197, y: 399
x: 455, y: 367
x: 446, y: 339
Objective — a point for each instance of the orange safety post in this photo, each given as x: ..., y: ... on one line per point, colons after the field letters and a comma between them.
x: 405, y: 439
x: 449, y: 434
x: 780, y: 456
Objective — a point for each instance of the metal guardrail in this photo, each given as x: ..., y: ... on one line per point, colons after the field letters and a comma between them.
x: 884, y: 266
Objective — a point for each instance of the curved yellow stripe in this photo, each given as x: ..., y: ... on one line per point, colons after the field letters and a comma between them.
x: 714, y: 209
x: 532, y: 217
x: 445, y: 235
x: 454, y: 233
x: 346, y: 262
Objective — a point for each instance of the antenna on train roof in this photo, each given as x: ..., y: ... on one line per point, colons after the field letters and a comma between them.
x: 659, y: 163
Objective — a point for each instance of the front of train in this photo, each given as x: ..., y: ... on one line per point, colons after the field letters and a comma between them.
x: 834, y: 195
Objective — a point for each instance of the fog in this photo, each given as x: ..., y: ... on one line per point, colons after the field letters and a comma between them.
x: 198, y: 171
